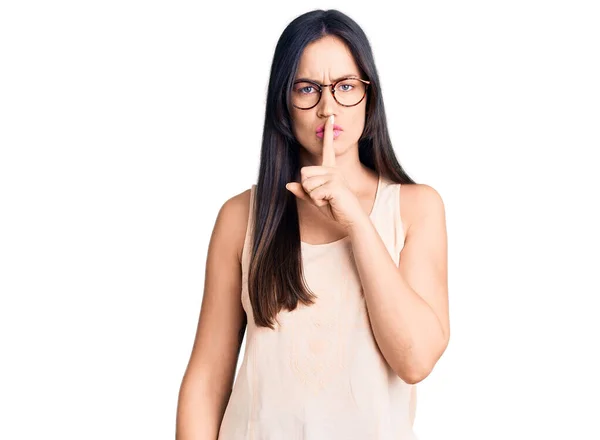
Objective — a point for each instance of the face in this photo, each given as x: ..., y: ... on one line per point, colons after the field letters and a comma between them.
x: 325, y: 61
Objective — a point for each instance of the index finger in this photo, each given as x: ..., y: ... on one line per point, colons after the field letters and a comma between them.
x: 328, y: 149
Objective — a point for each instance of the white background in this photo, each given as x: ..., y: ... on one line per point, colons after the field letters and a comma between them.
x: 122, y: 134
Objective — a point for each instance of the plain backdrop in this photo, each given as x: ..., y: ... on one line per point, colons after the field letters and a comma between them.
x: 125, y: 125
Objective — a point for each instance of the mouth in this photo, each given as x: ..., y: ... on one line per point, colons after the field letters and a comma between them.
x: 336, y: 133
x: 321, y: 129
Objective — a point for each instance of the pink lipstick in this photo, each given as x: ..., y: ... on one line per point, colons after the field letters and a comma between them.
x: 337, y: 130
x: 321, y: 128
x: 336, y: 133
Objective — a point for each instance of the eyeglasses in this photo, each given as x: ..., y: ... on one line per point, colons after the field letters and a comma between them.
x: 347, y: 92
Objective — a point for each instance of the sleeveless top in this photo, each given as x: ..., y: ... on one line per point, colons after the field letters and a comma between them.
x: 319, y: 375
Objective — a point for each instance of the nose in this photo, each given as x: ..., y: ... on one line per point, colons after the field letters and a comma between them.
x: 328, y: 102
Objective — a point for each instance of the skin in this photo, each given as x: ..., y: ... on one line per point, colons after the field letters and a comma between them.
x: 209, y: 376
x: 407, y: 305
x: 324, y: 61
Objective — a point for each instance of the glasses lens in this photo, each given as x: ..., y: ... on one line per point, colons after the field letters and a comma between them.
x: 347, y: 92
x: 305, y: 94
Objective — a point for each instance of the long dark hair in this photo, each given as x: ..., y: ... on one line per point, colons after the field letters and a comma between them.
x: 275, y: 277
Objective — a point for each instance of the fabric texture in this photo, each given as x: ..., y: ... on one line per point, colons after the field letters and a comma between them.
x: 319, y: 375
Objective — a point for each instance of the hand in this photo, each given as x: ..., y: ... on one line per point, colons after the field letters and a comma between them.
x: 325, y: 187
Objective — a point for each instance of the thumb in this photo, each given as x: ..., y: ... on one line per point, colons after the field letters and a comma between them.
x: 296, y: 189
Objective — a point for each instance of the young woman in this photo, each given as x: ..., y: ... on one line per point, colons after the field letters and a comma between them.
x: 334, y: 265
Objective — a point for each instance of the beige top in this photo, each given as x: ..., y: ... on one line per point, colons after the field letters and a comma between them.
x: 320, y: 375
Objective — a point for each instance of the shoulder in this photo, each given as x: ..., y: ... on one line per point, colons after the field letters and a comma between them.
x: 419, y: 200
x: 233, y: 219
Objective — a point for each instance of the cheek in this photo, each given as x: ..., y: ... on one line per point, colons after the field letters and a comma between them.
x: 357, y: 125
x: 300, y: 127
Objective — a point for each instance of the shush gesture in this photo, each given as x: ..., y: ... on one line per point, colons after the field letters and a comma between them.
x: 325, y: 187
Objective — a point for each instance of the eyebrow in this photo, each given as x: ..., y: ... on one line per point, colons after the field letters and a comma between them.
x: 337, y: 79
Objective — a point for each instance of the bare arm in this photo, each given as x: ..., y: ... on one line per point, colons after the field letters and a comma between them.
x: 408, y: 304
x: 208, y: 379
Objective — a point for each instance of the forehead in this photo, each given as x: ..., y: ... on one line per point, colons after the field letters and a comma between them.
x: 325, y: 59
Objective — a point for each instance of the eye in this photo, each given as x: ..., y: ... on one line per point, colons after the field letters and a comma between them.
x: 305, y: 88
x: 340, y: 87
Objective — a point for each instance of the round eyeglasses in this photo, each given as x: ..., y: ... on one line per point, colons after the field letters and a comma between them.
x: 347, y: 92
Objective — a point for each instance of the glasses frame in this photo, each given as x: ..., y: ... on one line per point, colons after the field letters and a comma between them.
x: 332, y: 89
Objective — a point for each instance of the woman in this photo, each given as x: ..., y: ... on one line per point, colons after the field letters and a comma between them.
x: 339, y: 331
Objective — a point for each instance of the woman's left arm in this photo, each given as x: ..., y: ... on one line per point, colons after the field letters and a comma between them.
x: 408, y: 304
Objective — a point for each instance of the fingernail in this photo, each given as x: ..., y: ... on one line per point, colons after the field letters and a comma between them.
x: 331, y: 119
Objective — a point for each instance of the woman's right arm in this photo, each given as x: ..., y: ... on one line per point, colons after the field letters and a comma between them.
x: 208, y: 379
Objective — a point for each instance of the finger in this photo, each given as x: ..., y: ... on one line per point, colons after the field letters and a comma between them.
x: 310, y: 171
x: 313, y: 182
x: 328, y: 149
x: 297, y: 189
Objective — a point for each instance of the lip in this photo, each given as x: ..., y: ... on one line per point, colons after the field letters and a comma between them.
x: 321, y: 128
x: 336, y: 134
